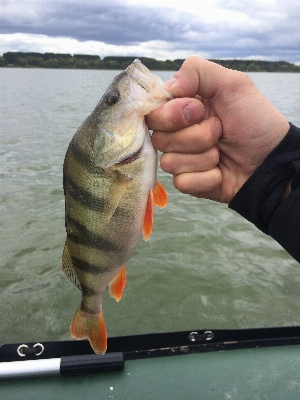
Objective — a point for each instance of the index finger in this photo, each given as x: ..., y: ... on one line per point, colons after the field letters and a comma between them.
x: 197, y: 138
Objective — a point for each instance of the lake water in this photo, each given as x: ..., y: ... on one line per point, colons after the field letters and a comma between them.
x: 203, y: 267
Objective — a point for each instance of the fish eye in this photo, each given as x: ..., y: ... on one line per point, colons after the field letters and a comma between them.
x: 112, y: 97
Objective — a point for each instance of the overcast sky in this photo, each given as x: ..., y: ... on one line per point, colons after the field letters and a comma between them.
x: 245, y: 29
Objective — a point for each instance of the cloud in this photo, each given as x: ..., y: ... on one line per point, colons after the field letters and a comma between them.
x: 113, y: 23
x: 267, y: 29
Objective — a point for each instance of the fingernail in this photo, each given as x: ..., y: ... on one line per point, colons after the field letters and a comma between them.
x: 169, y: 83
x: 192, y: 112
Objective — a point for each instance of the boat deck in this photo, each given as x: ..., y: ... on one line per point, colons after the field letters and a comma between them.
x: 204, y: 371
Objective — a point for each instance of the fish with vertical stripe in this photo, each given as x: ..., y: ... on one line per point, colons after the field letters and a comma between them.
x: 110, y: 189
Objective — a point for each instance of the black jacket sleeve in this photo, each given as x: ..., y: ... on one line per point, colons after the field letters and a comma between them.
x: 259, y: 199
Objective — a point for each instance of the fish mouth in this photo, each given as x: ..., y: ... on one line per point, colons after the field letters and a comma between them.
x: 139, y: 74
x: 142, y: 76
x: 138, y: 82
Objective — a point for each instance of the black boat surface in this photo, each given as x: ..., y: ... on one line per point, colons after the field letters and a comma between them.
x: 202, y: 364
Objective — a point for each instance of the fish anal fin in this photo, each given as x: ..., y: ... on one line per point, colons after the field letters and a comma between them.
x: 148, y: 218
x: 160, y: 195
x: 118, y: 283
x: 118, y: 187
x: 92, y: 327
x: 68, y: 268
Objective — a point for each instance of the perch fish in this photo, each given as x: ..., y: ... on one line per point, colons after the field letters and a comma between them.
x: 110, y: 189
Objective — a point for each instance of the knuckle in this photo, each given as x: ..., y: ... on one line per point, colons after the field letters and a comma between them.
x: 157, y: 140
x: 239, y: 79
x: 217, y: 176
x: 180, y: 183
x: 166, y: 163
x: 192, y: 60
x: 215, y: 155
x: 208, y: 133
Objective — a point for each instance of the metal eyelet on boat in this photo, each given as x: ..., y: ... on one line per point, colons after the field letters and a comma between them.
x: 209, y: 335
x: 20, y: 350
x: 24, y: 350
x: 197, y: 337
x: 42, y: 348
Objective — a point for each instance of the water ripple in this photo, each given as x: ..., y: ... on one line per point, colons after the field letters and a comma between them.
x: 204, y: 266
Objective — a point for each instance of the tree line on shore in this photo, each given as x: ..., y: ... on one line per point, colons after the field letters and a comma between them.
x: 81, y: 61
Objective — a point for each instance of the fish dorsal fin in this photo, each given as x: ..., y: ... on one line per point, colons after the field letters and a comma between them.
x: 118, y: 283
x: 158, y: 197
x: 68, y: 268
x: 118, y: 187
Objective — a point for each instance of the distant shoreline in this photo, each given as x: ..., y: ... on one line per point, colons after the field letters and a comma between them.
x: 81, y: 61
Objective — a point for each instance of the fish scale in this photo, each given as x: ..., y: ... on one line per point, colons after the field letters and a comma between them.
x: 110, y: 189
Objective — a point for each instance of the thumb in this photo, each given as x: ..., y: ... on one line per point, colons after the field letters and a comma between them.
x: 196, y: 77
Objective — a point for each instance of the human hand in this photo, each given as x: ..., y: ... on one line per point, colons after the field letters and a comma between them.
x: 217, y: 130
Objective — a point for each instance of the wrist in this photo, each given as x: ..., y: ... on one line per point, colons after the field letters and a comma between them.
x: 271, y: 183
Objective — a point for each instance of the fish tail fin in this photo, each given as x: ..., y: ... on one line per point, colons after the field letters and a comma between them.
x: 91, y: 327
x: 117, y: 285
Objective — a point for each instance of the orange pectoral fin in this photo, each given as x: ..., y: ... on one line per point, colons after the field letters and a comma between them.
x: 148, y: 219
x: 160, y: 195
x: 117, y: 285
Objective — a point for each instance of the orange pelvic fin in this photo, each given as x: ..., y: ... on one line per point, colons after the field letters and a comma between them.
x: 92, y: 327
x: 148, y: 219
x: 117, y: 285
x: 160, y: 195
